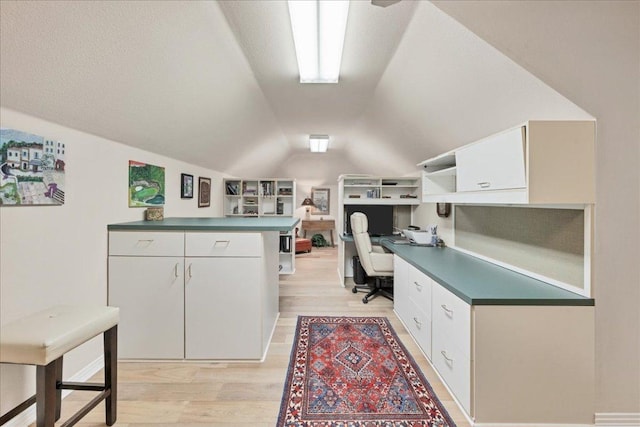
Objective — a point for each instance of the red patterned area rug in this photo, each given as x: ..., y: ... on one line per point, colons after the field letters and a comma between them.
x: 355, y: 372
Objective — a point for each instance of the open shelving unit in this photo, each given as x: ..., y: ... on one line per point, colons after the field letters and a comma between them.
x: 367, y: 190
x: 262, y: 197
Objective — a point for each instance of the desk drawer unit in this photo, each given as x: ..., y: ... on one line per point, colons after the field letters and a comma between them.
x: 452, y: 343
x: 223, y: 244
x: 419, y: 322
x: 146, y: 243
x: 419, y: 325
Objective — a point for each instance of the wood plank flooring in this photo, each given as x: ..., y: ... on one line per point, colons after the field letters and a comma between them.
x: 193, y: 394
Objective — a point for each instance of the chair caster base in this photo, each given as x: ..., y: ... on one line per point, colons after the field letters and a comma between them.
x: 365, y: 300
x: 354, y: 290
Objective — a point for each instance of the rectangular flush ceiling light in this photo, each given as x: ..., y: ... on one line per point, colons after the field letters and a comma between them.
x: 318, y: 33
x: 318, y: 143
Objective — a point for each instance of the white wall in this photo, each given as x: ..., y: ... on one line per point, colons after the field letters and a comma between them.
x: 58, y: 254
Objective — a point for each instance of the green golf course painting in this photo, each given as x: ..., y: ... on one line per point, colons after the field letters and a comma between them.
x: 146, y: 185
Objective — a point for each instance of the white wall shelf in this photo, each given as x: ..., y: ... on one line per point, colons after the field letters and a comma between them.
x: 263, y: 197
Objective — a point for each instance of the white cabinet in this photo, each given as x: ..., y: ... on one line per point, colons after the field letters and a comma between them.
x: 496, y: 163
x: 539, y: 162
x: 502, y: 363
x: 261, y: 197
x: 412, y: 302
x: 150, y: 294
x: 452, y: 343
x: 401, y: 288
x: 222, y: 301
x: 193, y: 295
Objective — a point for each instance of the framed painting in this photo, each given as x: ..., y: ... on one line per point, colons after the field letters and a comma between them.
x: 204, y: 192
x: 320, y: 197
x: 32, y: 169
x: 146, y: 185
x: 186, y: 186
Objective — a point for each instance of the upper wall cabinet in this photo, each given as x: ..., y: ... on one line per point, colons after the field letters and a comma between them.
x: 540, y: 162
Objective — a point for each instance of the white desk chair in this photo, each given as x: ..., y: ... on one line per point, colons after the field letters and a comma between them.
x: 375, y: 261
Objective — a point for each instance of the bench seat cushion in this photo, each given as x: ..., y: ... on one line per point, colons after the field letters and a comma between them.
x: 41, y: 338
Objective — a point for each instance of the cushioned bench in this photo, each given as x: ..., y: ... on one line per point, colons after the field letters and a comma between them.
x: 302, y: 244
x: 42, y: 339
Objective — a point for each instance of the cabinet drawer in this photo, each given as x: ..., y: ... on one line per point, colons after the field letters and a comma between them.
x: 495, y: 163
x: 453, y: 366
x: 452, y: 318
x: 224, y: 244
x: 419, y: 326
x: 136, y: 243
x: 420, y: 290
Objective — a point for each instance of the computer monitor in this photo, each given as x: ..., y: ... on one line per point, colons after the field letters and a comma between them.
x: 380, y: 218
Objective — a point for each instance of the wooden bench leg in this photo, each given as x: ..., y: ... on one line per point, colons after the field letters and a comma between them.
x: 58, y: 363
x: 111, y: 373
x: 46, y: 394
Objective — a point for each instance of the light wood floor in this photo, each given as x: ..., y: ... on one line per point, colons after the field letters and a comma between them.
x: 244, y: 394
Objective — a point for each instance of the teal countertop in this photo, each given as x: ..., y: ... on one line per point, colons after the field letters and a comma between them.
x: 276, y: 223
x: 479, y: 282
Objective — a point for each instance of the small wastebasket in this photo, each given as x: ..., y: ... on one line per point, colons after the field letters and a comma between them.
x: 359, y: 275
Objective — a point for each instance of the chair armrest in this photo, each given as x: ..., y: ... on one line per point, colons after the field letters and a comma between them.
x: 382, y: 261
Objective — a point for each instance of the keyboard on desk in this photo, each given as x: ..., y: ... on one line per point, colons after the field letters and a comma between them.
x: 396, y: 240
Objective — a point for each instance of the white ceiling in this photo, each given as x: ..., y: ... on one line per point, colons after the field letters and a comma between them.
x: 215, y: 84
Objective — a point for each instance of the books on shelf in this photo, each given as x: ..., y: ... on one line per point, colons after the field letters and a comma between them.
x: 233, y: 188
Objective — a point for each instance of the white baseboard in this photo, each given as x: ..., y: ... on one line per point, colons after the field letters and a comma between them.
x: 529, y: 425
x: 28, y: 416
x: 618, y: 419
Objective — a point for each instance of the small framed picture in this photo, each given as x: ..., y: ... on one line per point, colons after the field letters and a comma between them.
x: 186, y: 186
x: 204, y: 192
x: 320, y: 197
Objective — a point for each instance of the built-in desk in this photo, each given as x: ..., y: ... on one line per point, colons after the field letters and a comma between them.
x: 511, y: 349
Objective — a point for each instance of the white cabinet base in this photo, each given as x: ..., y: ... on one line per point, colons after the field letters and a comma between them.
x: 149, y: 292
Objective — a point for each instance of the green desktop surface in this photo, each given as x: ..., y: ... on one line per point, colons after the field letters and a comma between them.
x: 480, y: 282
x: 210, y: 224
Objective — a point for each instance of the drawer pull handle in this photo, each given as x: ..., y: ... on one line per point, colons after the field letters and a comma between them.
x: 484, y: 184
x: 175, y: 271
x: 449, y: 360
x: 448, y: 311
x: 418, y: 286
x: 224, y: 243
x: 189, y: 271
x: 145, y: 242
x: 418, y: 323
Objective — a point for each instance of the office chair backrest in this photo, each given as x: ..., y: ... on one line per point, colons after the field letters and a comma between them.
x: 360, y: 228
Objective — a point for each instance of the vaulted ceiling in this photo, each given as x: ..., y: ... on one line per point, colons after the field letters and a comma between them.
x: 216, y: 84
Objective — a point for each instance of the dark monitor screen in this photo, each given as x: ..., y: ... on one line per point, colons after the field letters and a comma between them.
x: 380, y: 218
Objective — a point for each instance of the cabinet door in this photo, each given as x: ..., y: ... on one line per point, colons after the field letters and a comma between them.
x: 400, y: 287
x: 223, y: 317
x: 495, y: 163
x: 150, y: 294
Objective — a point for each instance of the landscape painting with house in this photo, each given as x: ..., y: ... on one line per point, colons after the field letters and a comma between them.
x: 32, y: 169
